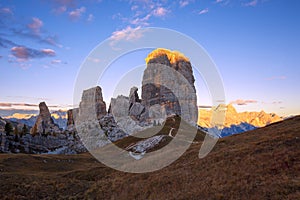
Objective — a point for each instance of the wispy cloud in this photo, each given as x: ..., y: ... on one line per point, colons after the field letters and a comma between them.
x: 183, y: 3
x: 6, y: 11
x: 127, y: 34
x: 141, y: 21
x: 56, y: 61
x: 276, y: 78
x: 25, y: 53
x: 17, y: 104
x: 204, y: 11
x: 251, y: 3
x: 243, y: 102
x: 90, y: 18
x: 35, y: 25
x: 160, y: 12
x: 4, y: 43
x: 60, y: 9
x: 77, y: 13
x: 94, y: 60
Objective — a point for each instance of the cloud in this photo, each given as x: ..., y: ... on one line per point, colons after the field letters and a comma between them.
x: 57, y: 61
x: 17, y: 104
x: 276, y: 78
x: 251, y: 3
x: 128, y: 34
x: 277, y: 102
x: 204, y: 11
x: 94, y: 60
x: 160, y: 12
x: 60, y: 9
x: 35, y: 25
x: 6, y: 43
x: 76, y: 14
x: 242, y: 102
x: 25, y: 53
x: 90, y: 18
x: 141, y: 21
x: 52, y: 40
x: 184, y: 3
x: 6, y: 11
x: 134, y: 7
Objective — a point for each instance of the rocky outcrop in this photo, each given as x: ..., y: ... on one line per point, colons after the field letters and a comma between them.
x: 126, y: 116
x: 167, y: 81
x: 44, y: 123
x: 94, y: 125
x: 38, y: 144
x: 136, y: 109
x: 92, y: 105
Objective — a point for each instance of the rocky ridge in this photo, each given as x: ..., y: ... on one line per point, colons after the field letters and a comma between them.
x: 257, y: 119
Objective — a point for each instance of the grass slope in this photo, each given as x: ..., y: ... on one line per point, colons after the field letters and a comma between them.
x: 259, y: 164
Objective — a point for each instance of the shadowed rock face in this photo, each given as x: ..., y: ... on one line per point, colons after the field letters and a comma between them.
x: 44, y: 123
x: 92, y: 105
x: 155, y: 93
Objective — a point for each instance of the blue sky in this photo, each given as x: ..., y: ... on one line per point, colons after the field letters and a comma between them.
x: 254, y: 43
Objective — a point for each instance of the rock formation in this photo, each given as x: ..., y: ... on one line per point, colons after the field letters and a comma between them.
x: 126, y: 114
x: 136, y: 109
x: 167, y: 81
x: 95, y: 126
x: 44, y: 123
x: 92, y: 105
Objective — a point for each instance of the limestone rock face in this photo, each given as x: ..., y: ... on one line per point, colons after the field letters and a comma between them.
x: 120, y: 110
x: 71, y: 117
x: 133, y: 96
x: 167, y: 81
x: 92, y: 105
x: 136, y: 109
x: 44, y: 123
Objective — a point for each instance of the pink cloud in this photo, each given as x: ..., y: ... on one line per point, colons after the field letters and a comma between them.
x: 127, y: 34
x: 35, y: 25
x: 25, y: 53
x: 243, y: 102
x: 76, y: 14
x: 160, y: 12
x: 60, y: 10
x: 49, y: 52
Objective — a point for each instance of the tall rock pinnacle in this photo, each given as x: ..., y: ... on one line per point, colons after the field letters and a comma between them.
x: 44, y: 123
x: 156, y: 79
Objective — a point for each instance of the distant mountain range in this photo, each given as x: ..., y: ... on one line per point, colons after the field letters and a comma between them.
x: 235, y: 122
x: 59, y: 117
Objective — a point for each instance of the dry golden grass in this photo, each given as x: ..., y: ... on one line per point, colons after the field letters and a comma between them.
x: 260, y: 164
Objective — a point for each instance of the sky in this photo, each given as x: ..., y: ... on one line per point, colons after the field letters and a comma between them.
x: 255, y: 45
